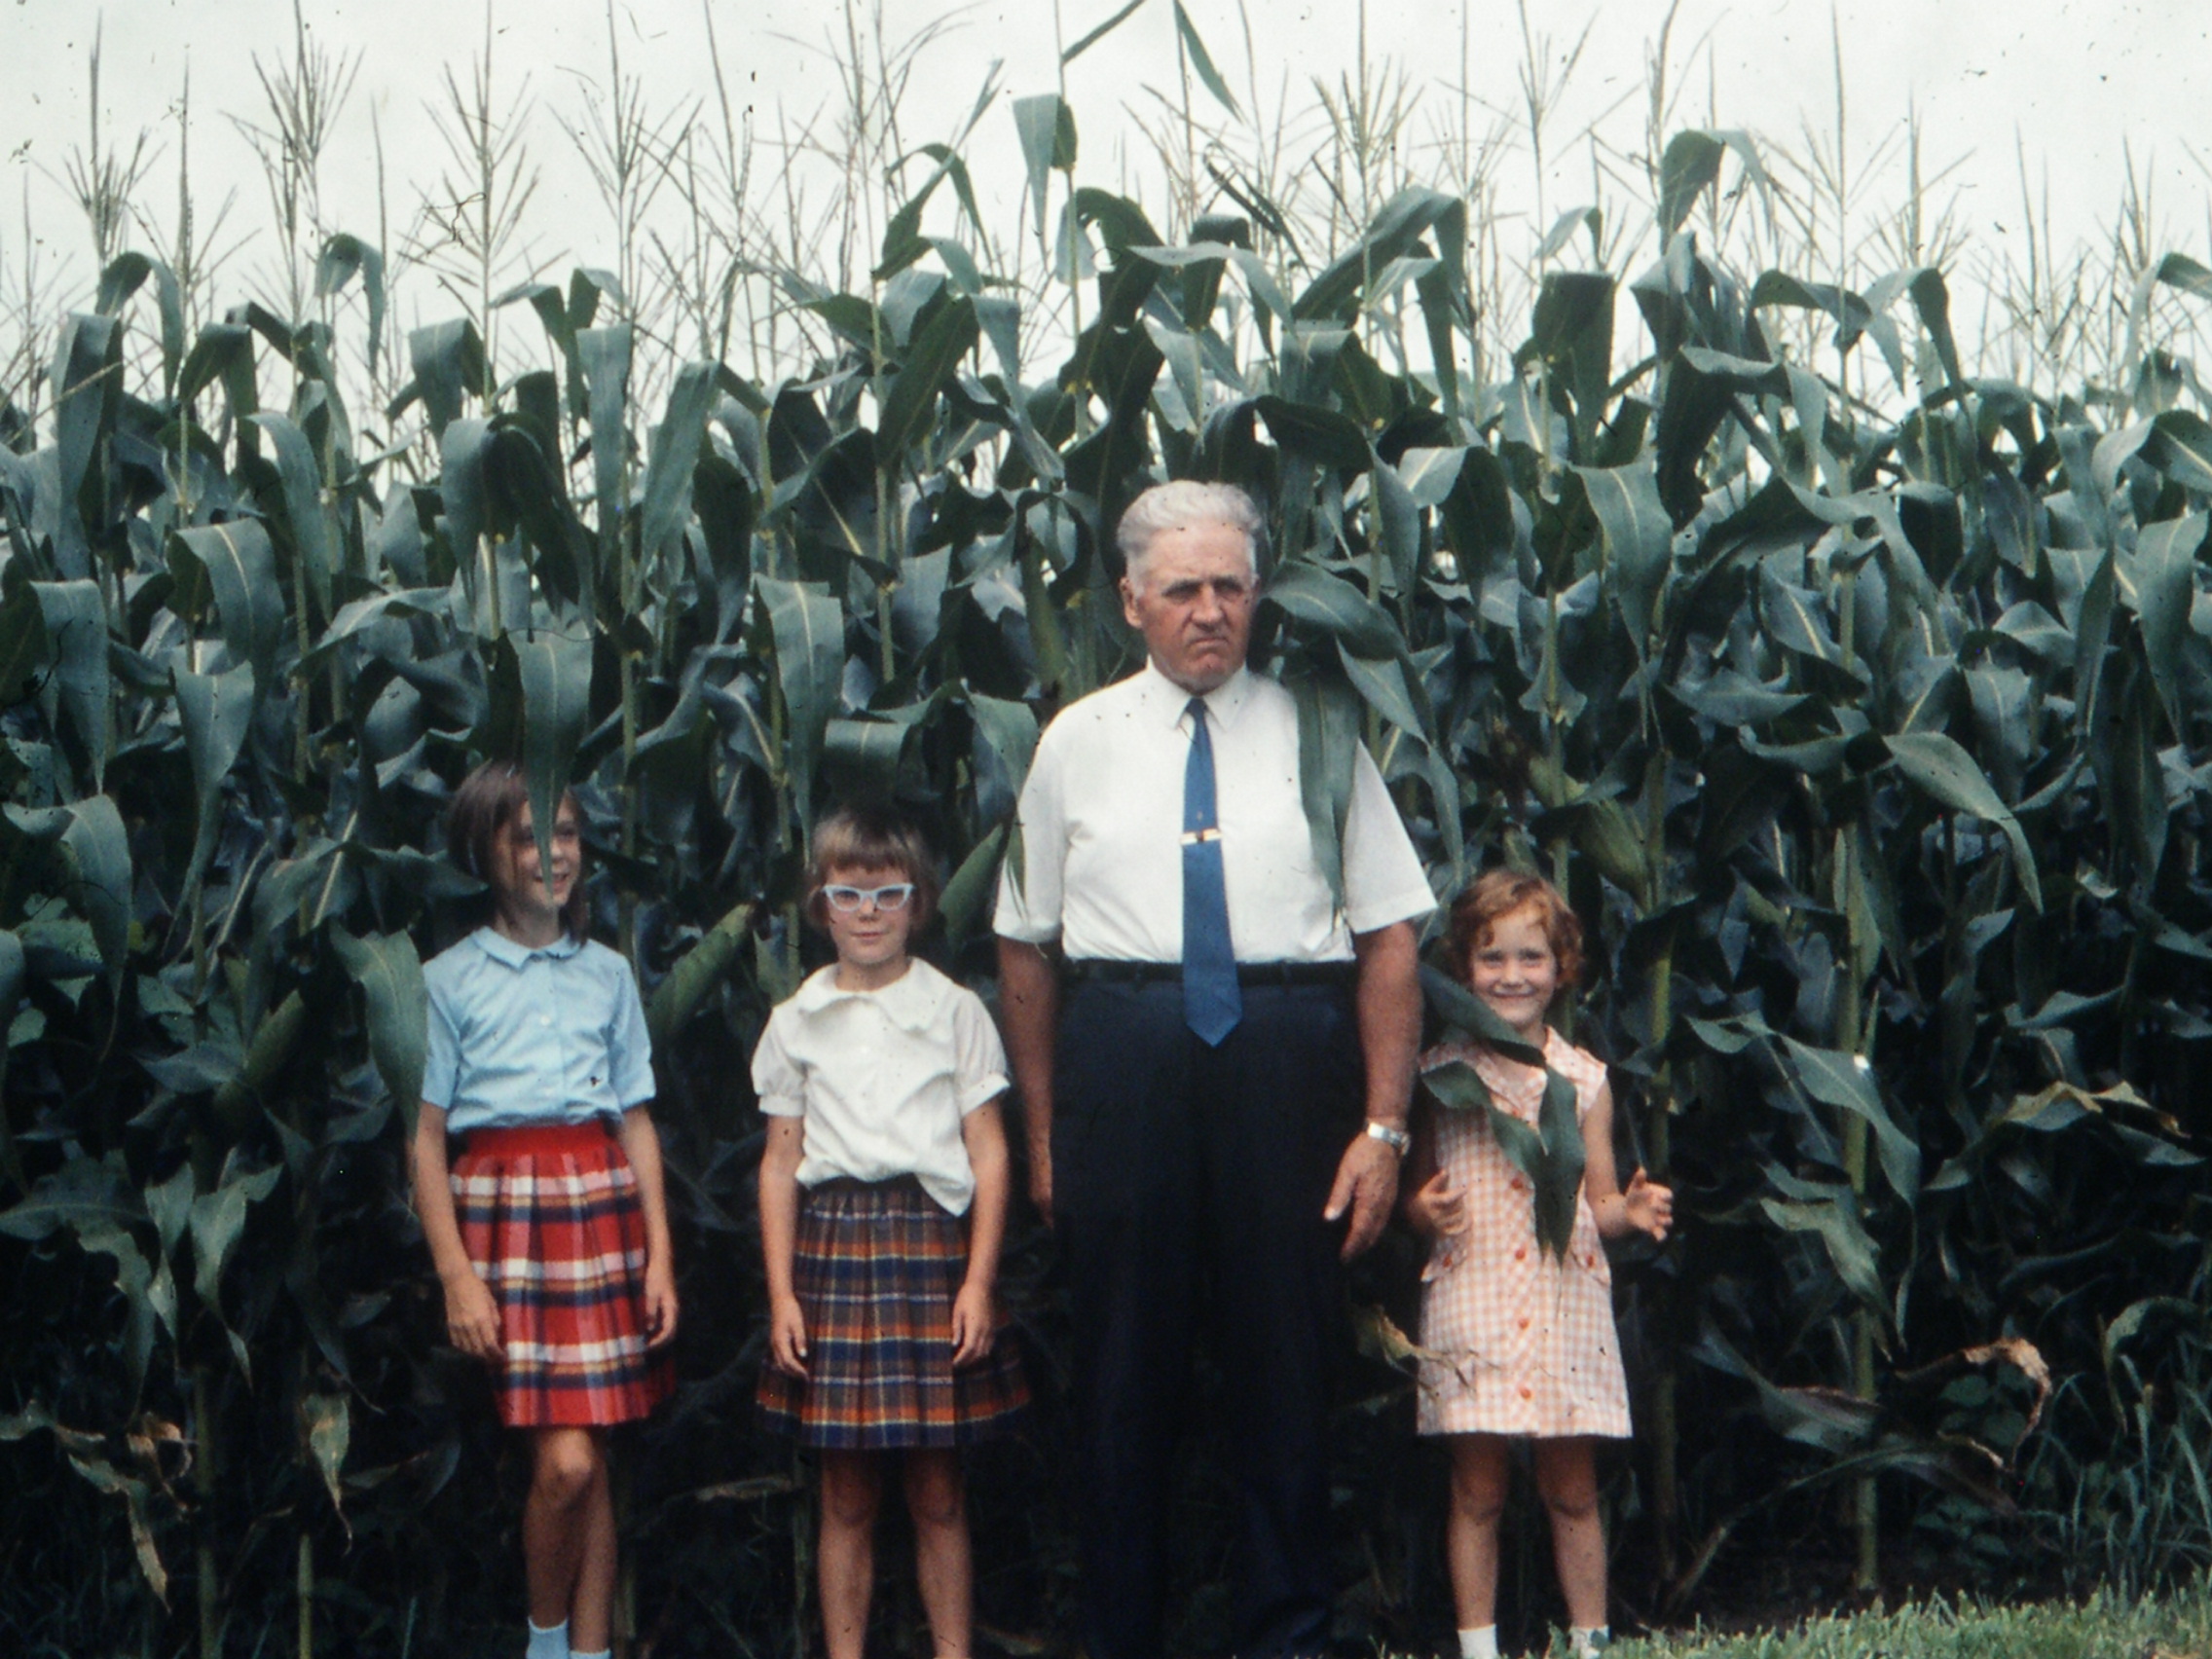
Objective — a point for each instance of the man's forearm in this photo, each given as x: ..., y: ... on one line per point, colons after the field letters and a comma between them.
x: 1389, y: 1004
x: 1029, y: 1013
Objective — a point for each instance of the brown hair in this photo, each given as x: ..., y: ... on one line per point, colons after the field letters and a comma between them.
x: 873, y: 837
x: 1499, y: 894
x: 484, y: 808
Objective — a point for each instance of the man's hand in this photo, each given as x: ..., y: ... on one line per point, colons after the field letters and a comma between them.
x: 1367, y: 1184
x: 472, y: 1317
x: 1387, y: 1000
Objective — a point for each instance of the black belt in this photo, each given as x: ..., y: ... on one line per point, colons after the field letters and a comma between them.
x: 1117, y: 973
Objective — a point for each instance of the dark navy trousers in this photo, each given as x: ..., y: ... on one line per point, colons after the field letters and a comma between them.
x: 1188, y: 1185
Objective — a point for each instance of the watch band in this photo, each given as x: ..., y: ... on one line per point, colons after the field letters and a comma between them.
x: 1396, y: 1139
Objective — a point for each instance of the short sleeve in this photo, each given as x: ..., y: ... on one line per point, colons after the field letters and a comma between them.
x: 1383, y: 878
x: 978, y: 1057
x: 441, y: 1052
x: 776, y: 1077
x: 1579, y: 1066
x: 1029, y: 896
x: 629, y: 1044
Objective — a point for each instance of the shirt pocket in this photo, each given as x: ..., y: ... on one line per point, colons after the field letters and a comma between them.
x: 604, y: 1036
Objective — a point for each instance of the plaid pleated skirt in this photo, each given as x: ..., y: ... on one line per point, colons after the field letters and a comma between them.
x: 550, y: 1217
x: 877, y: 1269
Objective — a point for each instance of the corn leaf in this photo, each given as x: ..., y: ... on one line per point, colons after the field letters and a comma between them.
x: 78, y: 691
x: 390, y: 973
x: 697, y: 973
x: 239, y: 565
x: 1938, y: 766
x: 540, y: 700
x: 808, y: 629
x: 215, y: 711
x: 315, y: 527
x: 1203, y: 62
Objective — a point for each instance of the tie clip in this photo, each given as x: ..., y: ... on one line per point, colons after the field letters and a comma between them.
x: 1192, y: 837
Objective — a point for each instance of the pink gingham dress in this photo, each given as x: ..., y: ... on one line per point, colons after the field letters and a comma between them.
x: 1524, y: 1342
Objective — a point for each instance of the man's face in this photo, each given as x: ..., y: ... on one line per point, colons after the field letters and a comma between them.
x: 1195, y: 609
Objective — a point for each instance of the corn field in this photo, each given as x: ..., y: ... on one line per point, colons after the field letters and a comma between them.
x: 1849, y: 668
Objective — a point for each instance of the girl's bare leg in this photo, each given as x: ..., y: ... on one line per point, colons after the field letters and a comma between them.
x: 591, y: 1609
x: 938, y: 1500
x: 567, y: 1465
x: 852, y: 1489
x: 1470, y: 1533
x: 1567, y: 1479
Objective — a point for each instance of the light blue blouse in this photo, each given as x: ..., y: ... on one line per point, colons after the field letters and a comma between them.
x: 555, y: 1035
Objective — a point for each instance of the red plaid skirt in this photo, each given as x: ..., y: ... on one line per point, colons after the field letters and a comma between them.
x: 877, y: 1269
x: 550, y: 1218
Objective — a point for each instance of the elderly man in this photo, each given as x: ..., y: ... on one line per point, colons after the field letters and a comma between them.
x: 1193, y: 1097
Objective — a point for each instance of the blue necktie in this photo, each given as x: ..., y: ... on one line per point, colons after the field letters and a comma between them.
x: 1212, y: 1004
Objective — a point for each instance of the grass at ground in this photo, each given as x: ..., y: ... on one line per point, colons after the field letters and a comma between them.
x: 2103, y: 1626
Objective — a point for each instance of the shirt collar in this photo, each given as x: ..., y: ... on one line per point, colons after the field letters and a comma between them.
x: 1170, y: 702
x: 909, y: 1001
x: 503, y: 949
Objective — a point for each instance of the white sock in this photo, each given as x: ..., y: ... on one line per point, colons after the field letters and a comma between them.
x: 1587, y: 1643
x: 547, y: 1642
x: 1479, y: 1644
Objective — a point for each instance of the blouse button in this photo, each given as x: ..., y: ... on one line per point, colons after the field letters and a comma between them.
x: 1524, y: 1322
x: 1526, y: 1392
x: 1520, y: 1253
x: 1518, y: 1185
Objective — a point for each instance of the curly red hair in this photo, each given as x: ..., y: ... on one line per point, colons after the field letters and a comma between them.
x: 1499, y: 894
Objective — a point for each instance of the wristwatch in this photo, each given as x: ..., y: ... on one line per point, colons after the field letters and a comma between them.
x: 1396, y: 1139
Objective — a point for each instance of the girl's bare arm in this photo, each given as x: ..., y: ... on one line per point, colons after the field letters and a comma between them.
x: 472, y: 1317
x: 1645, y: 1206
x: 1430, y: 1204
x: 641, y: 1145
x: 983, y: 1133
x: 779, y: 1241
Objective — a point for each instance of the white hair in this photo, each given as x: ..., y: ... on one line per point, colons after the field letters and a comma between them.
x: 1179, y: 506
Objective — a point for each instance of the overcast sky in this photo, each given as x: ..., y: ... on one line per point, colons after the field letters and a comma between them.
x: 2068, y: 82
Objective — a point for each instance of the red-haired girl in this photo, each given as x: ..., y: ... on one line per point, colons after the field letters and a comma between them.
x: 1522, y: 1339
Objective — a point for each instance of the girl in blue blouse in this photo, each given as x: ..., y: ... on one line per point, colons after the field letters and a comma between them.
x: 550, y: 1230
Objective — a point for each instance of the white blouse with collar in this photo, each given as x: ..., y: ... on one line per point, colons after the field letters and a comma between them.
x: 883, y: 1078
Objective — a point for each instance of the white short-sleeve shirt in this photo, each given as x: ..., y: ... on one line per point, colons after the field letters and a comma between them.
x: 1103, y: 821
x: 884, y: 1078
